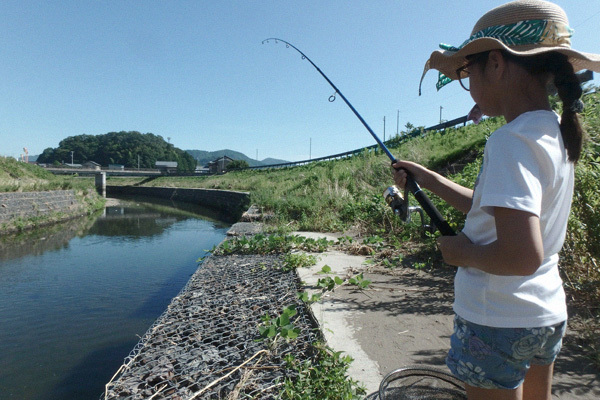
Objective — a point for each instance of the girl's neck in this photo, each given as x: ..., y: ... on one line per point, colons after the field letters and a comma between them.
x: 525, y: 95
x: 513, y: 111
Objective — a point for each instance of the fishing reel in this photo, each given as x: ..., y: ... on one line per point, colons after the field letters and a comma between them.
x: 399, y: 205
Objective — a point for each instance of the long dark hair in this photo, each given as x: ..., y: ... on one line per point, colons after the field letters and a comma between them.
x: 569, y: 90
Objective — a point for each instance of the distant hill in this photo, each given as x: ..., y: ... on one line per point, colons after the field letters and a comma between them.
x: 271, y: 161
x: 204, y: 157
x: 130, y: 149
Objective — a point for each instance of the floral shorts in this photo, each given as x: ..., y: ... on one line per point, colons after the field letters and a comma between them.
x: 498, y: 358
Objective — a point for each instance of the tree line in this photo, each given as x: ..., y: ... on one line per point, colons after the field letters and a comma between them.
x: 130, y: 149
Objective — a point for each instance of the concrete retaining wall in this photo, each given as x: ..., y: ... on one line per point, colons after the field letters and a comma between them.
x: 26, y: 205
x: 14, y: 205
x: 230, y: 204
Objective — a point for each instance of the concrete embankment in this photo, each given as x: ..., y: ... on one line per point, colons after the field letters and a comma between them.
x: 20, y: 208
x: 230, y: 204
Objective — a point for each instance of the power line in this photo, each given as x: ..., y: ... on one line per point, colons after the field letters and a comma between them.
x: 586, y: 20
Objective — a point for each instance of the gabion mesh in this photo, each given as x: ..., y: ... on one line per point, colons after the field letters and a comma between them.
x: 195, y: 349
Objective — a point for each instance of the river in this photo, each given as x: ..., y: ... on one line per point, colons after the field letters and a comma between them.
x: 75, y: 298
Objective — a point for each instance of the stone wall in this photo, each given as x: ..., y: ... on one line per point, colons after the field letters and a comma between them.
x: 15, y: 205
x: 230, y: 204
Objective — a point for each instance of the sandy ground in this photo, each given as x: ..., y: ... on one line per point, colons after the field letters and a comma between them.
x: 405, y: 318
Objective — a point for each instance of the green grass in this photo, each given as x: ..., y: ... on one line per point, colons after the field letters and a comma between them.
x: 323, y: 377
x: 16, y: 176
x: 336, y: 195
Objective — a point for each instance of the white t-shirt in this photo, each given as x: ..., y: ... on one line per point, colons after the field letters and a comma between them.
x: 525, y: 167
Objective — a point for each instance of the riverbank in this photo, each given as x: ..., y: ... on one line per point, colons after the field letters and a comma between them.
x: 205, y: 343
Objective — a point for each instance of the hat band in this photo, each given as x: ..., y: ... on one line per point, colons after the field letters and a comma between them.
x: 537, y: 31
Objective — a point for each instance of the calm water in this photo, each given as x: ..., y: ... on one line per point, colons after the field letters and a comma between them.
x: 74, y: 300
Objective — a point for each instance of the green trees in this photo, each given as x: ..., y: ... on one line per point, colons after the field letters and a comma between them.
x: 131, y: 149
x: 236, y: 164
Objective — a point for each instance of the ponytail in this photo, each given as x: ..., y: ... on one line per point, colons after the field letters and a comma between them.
x: 569, y: 90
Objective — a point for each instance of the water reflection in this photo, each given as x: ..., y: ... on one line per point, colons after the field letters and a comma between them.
x: 135, y: 217
x: 74, y: 298
x: 44, y: 239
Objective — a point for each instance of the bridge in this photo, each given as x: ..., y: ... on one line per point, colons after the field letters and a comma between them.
x: 108, y: 171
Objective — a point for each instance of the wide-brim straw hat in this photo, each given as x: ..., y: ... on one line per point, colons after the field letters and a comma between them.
x: 523, y: 28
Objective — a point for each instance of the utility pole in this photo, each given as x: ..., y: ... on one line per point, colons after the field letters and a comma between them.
x: 441, y: 114
x: 72, y: 158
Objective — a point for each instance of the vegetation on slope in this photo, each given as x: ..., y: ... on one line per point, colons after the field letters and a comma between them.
x: 336, y: 195
x: 18, y: 176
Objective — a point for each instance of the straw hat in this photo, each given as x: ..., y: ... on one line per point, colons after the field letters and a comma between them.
x: 522, y: 27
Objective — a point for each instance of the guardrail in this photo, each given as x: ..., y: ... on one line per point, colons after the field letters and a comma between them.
x: 395, y: 141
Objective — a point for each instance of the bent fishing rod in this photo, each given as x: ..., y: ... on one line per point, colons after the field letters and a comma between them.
x: 411, y: 185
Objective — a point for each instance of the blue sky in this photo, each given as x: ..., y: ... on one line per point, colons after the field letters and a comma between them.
x: 197, y: 73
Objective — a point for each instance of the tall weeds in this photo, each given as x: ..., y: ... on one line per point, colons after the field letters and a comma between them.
x: 580, y: 257
x: 16, y: 176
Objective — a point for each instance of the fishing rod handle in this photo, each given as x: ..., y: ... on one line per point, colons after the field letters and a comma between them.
x: 427, y: 206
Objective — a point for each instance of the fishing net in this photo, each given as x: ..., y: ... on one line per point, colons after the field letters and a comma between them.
x: 205, y: 345
x: 412, y: 383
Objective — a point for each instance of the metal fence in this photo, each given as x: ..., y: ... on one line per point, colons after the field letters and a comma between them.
x: 395, y: 141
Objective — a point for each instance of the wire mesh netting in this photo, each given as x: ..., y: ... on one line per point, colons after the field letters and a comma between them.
x: 204, y: 346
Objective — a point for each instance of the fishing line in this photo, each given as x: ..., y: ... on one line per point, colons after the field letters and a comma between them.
x: 399, y: 204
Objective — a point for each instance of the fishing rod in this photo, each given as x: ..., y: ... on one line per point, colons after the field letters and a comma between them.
x: 393, y: 197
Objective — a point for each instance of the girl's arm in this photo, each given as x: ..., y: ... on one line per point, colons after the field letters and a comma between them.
x: 454, y: 194
x: 518, y: 249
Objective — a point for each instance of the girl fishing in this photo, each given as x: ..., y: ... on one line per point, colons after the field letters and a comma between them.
x: 510, y: 309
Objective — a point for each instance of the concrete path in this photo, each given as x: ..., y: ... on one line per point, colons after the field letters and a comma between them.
x: 335, y: 318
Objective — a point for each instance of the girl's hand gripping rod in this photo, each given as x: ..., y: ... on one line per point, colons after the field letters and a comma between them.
x: 411, y: 185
